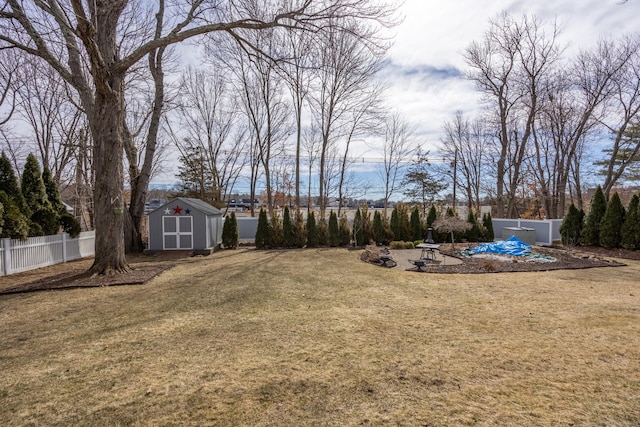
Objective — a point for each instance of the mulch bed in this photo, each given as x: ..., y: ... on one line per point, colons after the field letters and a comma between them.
x: 79, y: 278
x: 567, y: 258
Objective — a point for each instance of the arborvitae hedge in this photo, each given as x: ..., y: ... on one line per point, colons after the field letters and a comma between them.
x: 473, y: 234
x: 431, y: 216
x: 15, y: 224
x: 288, y: 239
x: 590, y: 233
x: 345, y: 231
x: 416, y: 224
x: 262, y: 233
x: 230, y: 236
x: 312, y: 231
x: 299, y: 232
x: 323, y: 233
x: 378, y: 228
x: 334, y: 230
x: 275, y: 232
x: 487, y: 224
x: 630, y: 238
x: 358, y: 228
x: 572, y: 226
x: 611, y: 223
x: 9, y: 184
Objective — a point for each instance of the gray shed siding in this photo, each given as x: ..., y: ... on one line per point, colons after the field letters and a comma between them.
x: 185, y: 224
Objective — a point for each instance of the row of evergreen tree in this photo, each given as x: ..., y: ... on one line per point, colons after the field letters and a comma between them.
x: 33, y: 207
x: 608, y: 224
x: 405, y: 226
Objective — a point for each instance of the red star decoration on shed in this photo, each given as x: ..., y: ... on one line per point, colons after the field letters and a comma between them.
x: 177, y: 210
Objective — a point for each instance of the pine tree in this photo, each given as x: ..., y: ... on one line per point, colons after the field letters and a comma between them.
x: 275, y: 232
x: 312, y: 231
x: 487, y: 223
x: 44, y: 219
x: 287, y: 229
x: 590, y: 233
x: 9, y: 184
x: 630, y: 238
x: 262, y: 233
x: 571, y: 226
x: 299, y: 233
x: 334, y: 230
x: 67, y: 221
x: 15, y: 224
x: 473, y: 234
x: 416, y: 224
x: 358, y: 228
x: 230, y: 237
x: 345, y: 231
x: 611, y: 224
x: 323, y: 233
x: 432, y: 216
x: 400, y: 224
x: 378, y: 228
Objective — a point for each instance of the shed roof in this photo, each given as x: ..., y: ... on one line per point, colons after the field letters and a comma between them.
x: 198, y: 204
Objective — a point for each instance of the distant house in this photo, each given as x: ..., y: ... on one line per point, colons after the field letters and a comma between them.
x: 185, y: 224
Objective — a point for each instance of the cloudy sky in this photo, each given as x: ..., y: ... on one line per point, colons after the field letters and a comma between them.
x: 426, y: 65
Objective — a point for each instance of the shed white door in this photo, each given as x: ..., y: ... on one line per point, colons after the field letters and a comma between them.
x: 177, y: 232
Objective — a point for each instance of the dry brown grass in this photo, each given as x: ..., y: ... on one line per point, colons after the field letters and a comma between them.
x: 317, y: 337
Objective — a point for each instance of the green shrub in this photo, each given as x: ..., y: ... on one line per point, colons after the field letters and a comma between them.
x: 15, y: 223
x: 431, y: 216
x: 275, y: 232
x: 287, y: 229
x: 334, y: 230
x: 630, y: 238
x: 358, y: 228
x: 70, y: 224
x: 590, y: 234
x: 572, y: 226
x: 230, y: 236
x: 262, y: 233
x: 345, y: 231
x: 611, y: 223
x: 323, y: 233
x: 299, y: 232
x: 312, y: 231
x: 416, y: 224
x: 487, y: 223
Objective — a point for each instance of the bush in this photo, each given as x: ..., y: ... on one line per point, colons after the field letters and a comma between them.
x: 473, y: 234
x: 431, y: 216
x: 399, y: 244
x: 230, y: 236
x: 345, y: 231
x: 590, y: 234
x: 334, y: 230
x: 275, y: 232
x: 287, y: 229
x: 70, y: 224
x: 487, y: 223
x: 630, y: 232
x: 400, y: 223
x: 416, y: 224
x: 572, y: 226
x: 358, y: 229
x: 262, y: 233
x: 299, y: 233
x: 323, y: 233
x: 611, y: 224
x: 312, y: 231
x: 15, y: 224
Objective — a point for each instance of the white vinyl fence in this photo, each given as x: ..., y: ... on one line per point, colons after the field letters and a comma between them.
x: 35, y: 252
x: 546, y: 231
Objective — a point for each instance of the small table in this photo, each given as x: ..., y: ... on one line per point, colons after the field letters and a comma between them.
x: 428, y: 250
x: 419, y: 263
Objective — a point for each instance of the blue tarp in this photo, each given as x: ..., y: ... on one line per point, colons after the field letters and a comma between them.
x: 512, y: 246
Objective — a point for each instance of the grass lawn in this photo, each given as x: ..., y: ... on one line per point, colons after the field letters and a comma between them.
x: 316, y: 337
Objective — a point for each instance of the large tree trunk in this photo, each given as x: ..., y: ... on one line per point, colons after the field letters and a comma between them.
x: 107, y: 127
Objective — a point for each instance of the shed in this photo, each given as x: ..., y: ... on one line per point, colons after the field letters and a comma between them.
x: 185, y: 224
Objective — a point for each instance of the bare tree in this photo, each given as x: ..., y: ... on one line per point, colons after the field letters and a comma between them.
x: 70, y: 34
x: 398, y: 147
x: 347, y: 65
x: 207, y: 118
x: 509, y: 66
x: 466, y: 144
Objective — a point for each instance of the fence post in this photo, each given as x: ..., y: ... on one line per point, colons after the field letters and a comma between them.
x: 64, y: 247
x: 6, y: 245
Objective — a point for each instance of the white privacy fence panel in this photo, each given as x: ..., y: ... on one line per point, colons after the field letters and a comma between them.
x: 547, y: 230
x: 35, y: 252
